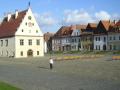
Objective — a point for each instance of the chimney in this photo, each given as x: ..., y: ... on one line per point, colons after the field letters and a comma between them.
x: 8, y: 16
x: 16, y: 14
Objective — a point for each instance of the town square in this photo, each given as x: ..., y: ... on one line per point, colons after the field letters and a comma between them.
x: 59, y: 45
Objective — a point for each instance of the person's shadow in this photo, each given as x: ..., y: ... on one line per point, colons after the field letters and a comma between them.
x: 43, y: 67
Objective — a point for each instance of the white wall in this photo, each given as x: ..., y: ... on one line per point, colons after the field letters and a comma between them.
x: 29, y: 32
x: 101, y: 42
x: 27, y: 47
x: 7, y: 51
x: 45, y: 46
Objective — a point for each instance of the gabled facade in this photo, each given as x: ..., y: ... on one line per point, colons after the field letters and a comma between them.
x: 61, y: 40
x: 75, y: 37
x: 114, y: 37
x: 87, y: 36
x: 101, y: 35
x: 20, y: 36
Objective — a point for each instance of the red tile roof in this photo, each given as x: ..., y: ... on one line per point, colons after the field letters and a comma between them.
x: 67, y: 30
x: 8, y: 28
x: 81, y: 27
x: 107, y: 24
x: 63, y: 31
x: 118, y: 23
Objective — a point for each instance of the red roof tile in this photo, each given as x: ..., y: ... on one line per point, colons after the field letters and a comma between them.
x: 8, y: 28
x: 63, y: 31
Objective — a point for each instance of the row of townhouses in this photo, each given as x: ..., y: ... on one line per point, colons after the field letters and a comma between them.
x: 104, y: 35
x: 20, y: 35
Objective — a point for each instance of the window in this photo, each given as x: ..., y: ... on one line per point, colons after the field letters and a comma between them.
x: 104, y: 39
x: 96, y: 38
x: 21, y: 53
x: 37, y: 52
x: 26, y: 23
x: 29, y: 17
x: 38, y: 42
x: 36, y: 31
x: 33, y: 24
x: 75, y: 40
x: 110, y: 38
x: 30, y: 42
x: 114, y: 38
x: 72, y: 40
x: 119, y: 37
x: 21, y: 42
x: 22, y: 30
x: 6, y: 42
x: 1, y: 43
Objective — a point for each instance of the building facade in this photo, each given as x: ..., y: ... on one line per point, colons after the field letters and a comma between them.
x: 20, y: 36
x: 48, y: 42
x: 114, y: 37
x: 87, y: 36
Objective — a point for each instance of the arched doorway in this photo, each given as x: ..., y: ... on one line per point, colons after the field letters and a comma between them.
x: 104, y: 47
x: 30, y: 53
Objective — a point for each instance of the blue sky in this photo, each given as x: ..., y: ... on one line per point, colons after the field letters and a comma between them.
x: 52, y: 14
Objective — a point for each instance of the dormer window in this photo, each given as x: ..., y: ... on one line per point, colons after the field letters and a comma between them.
x: 29, y: 17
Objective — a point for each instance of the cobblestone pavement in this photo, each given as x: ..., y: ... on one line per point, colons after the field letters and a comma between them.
x: 34, y: 74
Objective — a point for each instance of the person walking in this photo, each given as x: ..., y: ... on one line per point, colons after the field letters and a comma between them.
x: 51, y: 63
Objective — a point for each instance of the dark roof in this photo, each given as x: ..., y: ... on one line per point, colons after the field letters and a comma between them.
x: 8, y: 28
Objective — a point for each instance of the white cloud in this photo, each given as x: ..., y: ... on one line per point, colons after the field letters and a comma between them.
x: 76, y: 17
x: 102, y: 15
x: 115, y: 16
x: 83, y: 17
x: 45, y: 19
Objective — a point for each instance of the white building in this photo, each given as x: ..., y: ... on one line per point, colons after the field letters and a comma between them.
x: 101, y: 35
x: 114, y: 37
x: 20, y: 36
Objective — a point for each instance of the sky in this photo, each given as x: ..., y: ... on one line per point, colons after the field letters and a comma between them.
x: 52, y: 14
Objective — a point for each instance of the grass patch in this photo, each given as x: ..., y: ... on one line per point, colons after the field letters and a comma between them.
x: 116, y: 52
x: 5, y: 86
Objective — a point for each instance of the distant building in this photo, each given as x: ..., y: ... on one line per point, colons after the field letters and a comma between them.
x: 61, y: 41
x: 67, y: 38
x: 48, y: 42
x: 114, y: 37
x: 20, y: 36
x: 75, y: 37
x: 101, y: 35
x: 87, y: 37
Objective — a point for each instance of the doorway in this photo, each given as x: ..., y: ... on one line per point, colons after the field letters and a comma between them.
x: 30, y: 53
